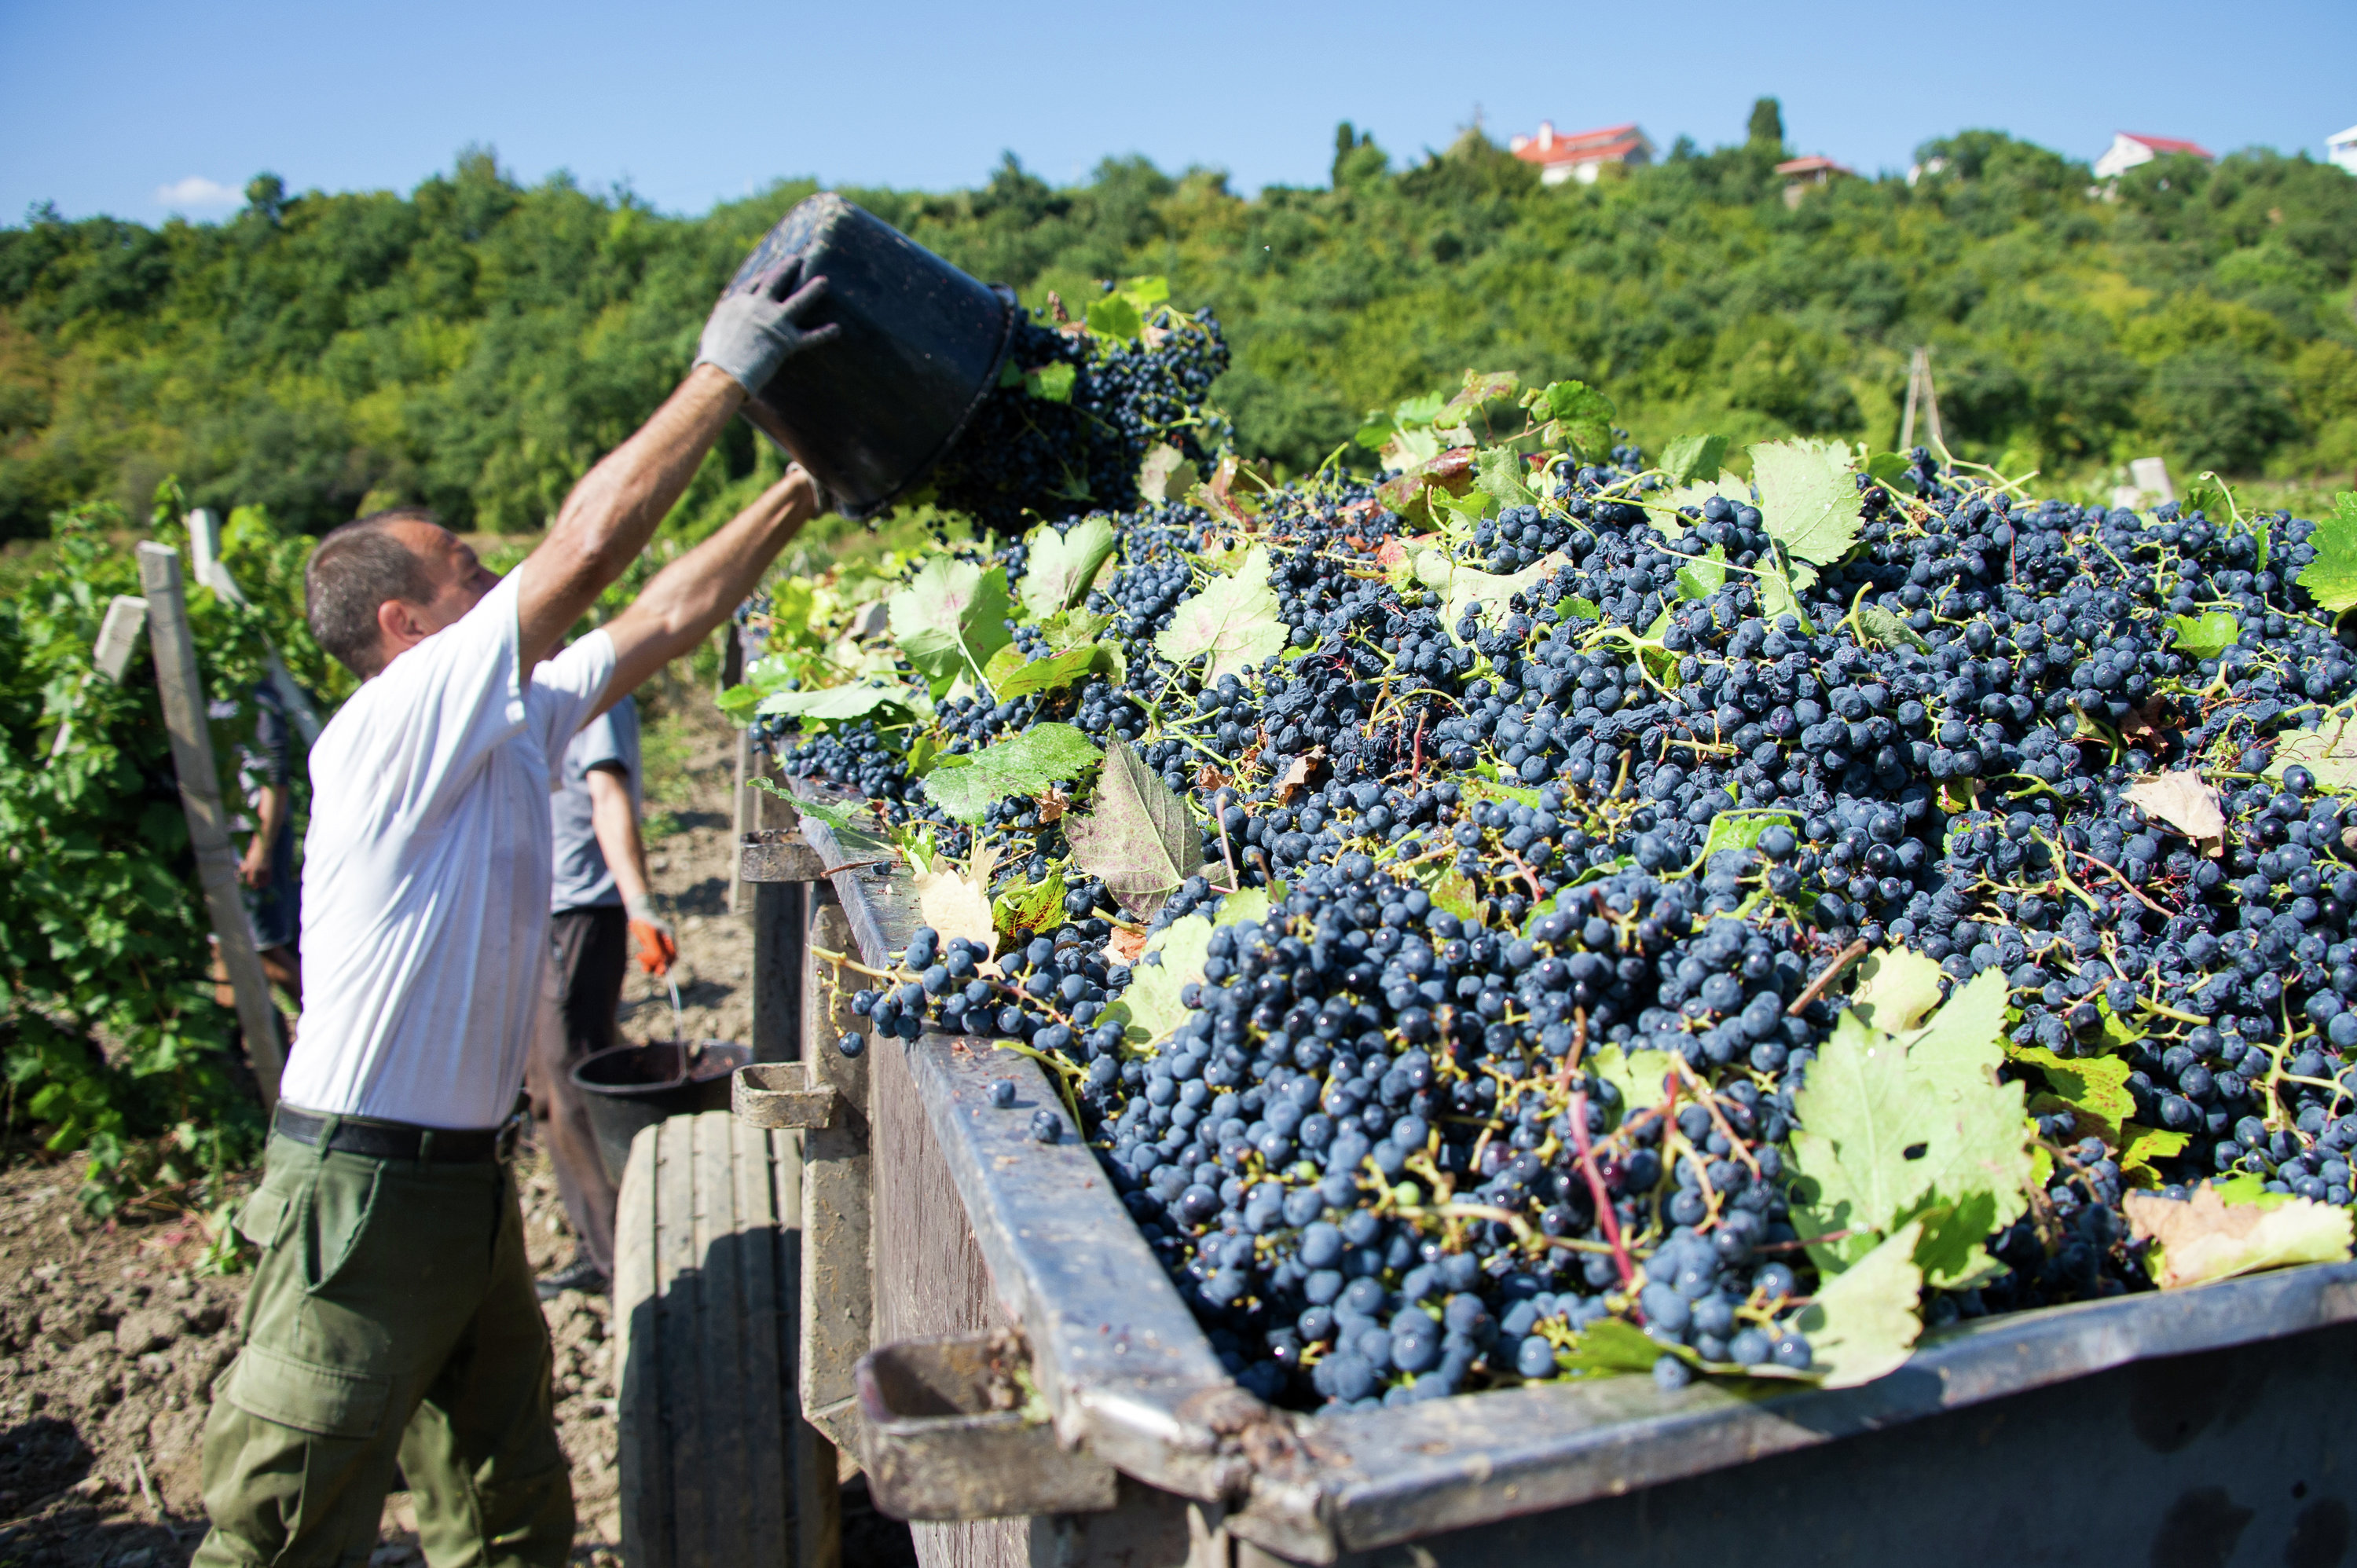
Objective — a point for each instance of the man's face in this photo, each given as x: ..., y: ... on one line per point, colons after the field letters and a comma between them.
x: 459, y: 580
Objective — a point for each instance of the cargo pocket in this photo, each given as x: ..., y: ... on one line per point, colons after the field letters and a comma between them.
x: 325, y: 1401
x: 262, y: 1217
x: 335, y: 1211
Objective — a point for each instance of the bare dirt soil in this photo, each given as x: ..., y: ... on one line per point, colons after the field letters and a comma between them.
x: 111, y: 1337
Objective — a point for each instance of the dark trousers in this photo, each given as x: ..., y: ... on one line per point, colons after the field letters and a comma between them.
x: 579, y: 996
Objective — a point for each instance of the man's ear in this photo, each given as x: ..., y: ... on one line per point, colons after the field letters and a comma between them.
x: 398, y: 628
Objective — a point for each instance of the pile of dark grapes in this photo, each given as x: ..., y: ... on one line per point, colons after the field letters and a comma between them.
x: 1378, y: 1158
x: 1023, y: 459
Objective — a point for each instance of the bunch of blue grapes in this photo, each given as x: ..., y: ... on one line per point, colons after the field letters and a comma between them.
x: 1951, y: 776
x: 1023, y: 458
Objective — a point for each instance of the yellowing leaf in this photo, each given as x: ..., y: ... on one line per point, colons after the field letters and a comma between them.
x: 2183, y: 802
x: 1861, y: 1324
x: 2094, y: 1086
x: 957, y: 903
x: 1061, y: 567
x: 1138, y: 838
x: 2207, y: 1237
x: 2329, y: 751
x: 1234, y: 621
x: 1895, y: 987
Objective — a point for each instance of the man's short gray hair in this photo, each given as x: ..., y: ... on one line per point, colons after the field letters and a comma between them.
x: 356, y: 568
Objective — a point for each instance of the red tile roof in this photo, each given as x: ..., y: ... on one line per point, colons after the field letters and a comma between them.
x: 2171, y: 145
x: 1813, y: 164
x: 1552, y: 147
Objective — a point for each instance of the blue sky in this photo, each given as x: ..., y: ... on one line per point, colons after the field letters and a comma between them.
x: 137, y: 108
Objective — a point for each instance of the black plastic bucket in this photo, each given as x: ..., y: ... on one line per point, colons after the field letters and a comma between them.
x: 632, y: 1087
x: 870, y: 412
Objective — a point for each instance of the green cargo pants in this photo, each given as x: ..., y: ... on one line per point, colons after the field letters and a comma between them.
x: 392, y: 1320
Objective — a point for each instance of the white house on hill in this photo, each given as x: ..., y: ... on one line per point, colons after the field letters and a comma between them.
x: 2342, y: 149
x: 1582, y: 155
x: 2128, y: 149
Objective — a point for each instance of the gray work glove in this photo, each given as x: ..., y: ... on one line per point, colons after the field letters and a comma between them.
x: 756, y: 328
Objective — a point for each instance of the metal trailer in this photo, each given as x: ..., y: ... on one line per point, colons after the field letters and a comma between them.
x: 981, y: 1323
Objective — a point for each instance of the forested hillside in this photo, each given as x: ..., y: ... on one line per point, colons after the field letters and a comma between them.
x: 474, y: 345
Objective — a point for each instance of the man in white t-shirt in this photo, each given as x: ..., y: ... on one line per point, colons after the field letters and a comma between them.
x: 392, y: 1318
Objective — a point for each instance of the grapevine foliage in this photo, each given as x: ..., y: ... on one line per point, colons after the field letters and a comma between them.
x: 1594, y: 919
x: 111, y: 1035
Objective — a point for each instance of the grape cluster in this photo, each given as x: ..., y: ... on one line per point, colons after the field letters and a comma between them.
x: 1381, y: 1157
x: 1025, y: 458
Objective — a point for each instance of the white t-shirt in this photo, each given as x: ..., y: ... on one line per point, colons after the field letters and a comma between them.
x: 425, y: 874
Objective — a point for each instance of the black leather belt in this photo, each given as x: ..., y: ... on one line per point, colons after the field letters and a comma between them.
x: 399, y: 1140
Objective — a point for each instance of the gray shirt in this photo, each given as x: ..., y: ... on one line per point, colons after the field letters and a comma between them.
x: 582, y: 879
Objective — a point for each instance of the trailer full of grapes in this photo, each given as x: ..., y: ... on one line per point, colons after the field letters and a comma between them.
x: 1107, y: 1432
x: 1542, y: 1004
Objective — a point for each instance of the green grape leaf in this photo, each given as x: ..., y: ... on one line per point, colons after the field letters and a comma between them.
x: 1688, y: 459
x: 2205, y: 636
x: 950, y: 618
x: 1886, y: 468
x: 1963, y: 1044
x: 1052, y: 383
x: 1609, y: 1347
x: 1234, y: 621
x: 2332, y: 578
x: 2208, y: 495
x: 1584, y: 414
x: 1063, y: 565
x: 1891, y: 1127
x: 1029, y: 906
x: 1571, y: 606
x: 1498, y: 472
x: 1862, y: 1324
x: 1888, y: 628
x: 1777, y: 599
x: 1895, y: 987
x: 1114, y: 316
x: 1461, y: 587
x: 1809, y: 496
x: 1015, y: 673
x: 2233, y: 1227
x: 1146, y: 293
x: 1138, y: 838
x: 1641, y: 1077
x: 967, y: 787
x: 1703, y: 575
x: 838, y: 704
x: 2141, y: 1149
x: 1740, y: 829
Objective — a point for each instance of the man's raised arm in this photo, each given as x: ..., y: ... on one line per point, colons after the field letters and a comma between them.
x: 703, y: 587
x: 610, y: 514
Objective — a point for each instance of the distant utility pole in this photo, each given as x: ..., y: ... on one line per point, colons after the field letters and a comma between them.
x: 1919, y: 391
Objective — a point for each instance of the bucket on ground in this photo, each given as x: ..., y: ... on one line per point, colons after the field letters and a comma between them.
x: 631, y: 1087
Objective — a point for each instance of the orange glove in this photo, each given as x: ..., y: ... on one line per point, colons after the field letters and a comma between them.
x: 657, y: 948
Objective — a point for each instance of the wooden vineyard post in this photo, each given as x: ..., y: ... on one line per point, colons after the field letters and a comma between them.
x: 185, y: 716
